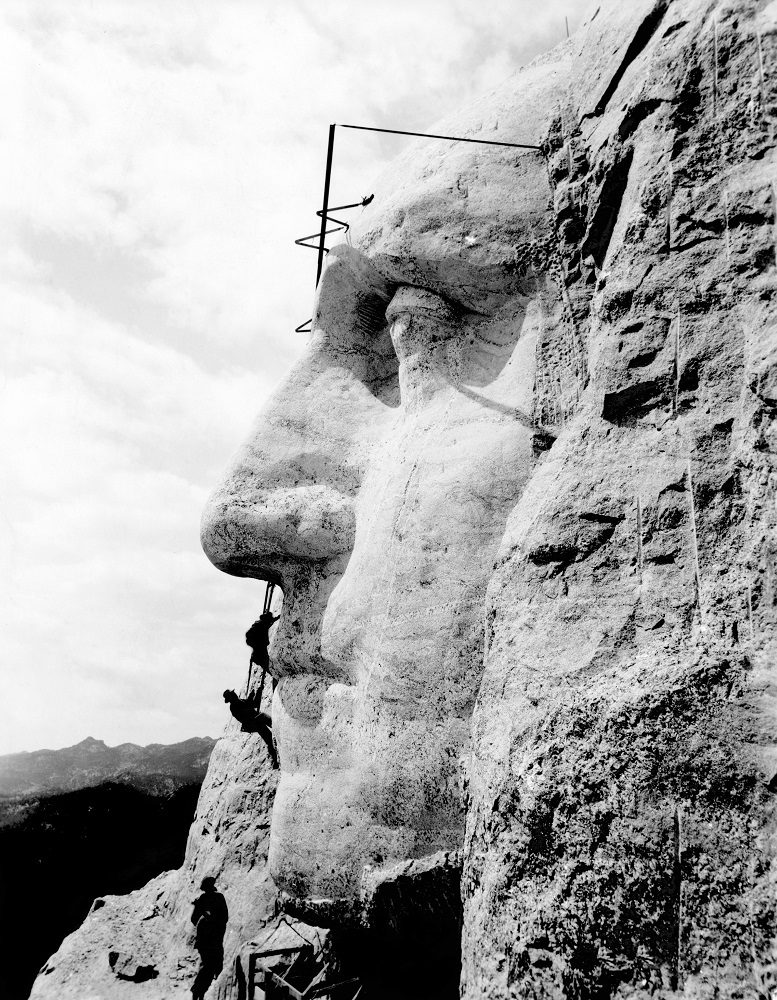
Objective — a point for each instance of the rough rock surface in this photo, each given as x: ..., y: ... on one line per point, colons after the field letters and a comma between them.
x: 375, y: 490
x: 621, y: 827
x: 142, y: 945
x: 519, y: 496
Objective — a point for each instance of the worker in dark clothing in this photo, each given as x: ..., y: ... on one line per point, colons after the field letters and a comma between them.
x: 258, y: 638
x: 209, y: 916
x: 252, y: 720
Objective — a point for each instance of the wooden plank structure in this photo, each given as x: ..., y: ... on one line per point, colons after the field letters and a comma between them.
x: 304, y: 978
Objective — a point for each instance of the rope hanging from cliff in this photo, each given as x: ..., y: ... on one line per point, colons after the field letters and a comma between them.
x: 261, y: 686
x: 258, y: 637
x: 268, y: 596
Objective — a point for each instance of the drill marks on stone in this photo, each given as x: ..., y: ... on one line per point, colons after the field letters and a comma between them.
x: 639, y: 541
x: 767, y: 56
x: 725, y: 223
x: 715, y: 81
x: 677, y: 886
x: 675, y: 401
x: 750, y: 613
x: 556, y: 400
x: 774, y: 221
x: 694, y: 536
x: 560, y: 359
x: 565, y: 357
x: 761, y: 71
x: 546, y: 393
x: 578, y: 352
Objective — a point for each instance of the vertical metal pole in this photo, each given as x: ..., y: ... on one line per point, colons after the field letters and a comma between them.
x: 639, y: 540
x: 268, y: 594
x: 325, y: 206
x: 567, y: 21
x: 695, y: 540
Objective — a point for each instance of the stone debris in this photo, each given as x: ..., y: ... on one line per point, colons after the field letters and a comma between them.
x: 129, y: 968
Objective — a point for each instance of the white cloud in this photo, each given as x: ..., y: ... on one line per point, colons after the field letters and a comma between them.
x: 154, y: 172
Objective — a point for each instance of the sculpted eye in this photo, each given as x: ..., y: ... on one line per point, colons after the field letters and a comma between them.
x: 349, y: 322
x: 408, y: 299
x: 420, y: 320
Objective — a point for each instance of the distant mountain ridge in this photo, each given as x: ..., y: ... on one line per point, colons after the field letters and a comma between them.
x: 157, y: 768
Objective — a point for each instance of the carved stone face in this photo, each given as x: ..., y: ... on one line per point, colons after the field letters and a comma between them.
x: 375, y: 489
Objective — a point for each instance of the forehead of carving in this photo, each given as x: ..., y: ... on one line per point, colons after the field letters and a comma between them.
x: 463, y: 219
x: 464, y: 200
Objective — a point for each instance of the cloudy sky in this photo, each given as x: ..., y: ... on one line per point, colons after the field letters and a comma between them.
x: 157, y: 161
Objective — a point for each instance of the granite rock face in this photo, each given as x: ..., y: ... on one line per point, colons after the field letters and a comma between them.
x: 142, y: 945
x: 519, y: 495
x: 376, y: 490
x: 621, y: 821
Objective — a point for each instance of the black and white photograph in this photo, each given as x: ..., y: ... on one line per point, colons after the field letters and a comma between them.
x: 388, y: 500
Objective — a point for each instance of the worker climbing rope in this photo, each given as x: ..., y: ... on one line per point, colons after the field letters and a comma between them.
x: 248, y: 710
x: 258, y: 638
x: 252, y: 720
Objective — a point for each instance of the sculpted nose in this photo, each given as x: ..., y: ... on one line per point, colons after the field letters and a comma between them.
x: 287, y: 499
x: 287, y: 496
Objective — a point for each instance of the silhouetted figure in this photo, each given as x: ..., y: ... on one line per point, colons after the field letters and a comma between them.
x: 209, y: 916
x: 258, y: 638
x: 252, y: 720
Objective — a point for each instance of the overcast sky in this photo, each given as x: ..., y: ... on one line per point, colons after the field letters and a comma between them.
x: 157, y: 161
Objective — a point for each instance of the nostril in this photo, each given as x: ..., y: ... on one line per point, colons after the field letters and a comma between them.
x: 431, y: 307
x: 421, y: 322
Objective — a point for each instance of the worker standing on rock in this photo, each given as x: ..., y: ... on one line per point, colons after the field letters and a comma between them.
x: 209, y: 916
